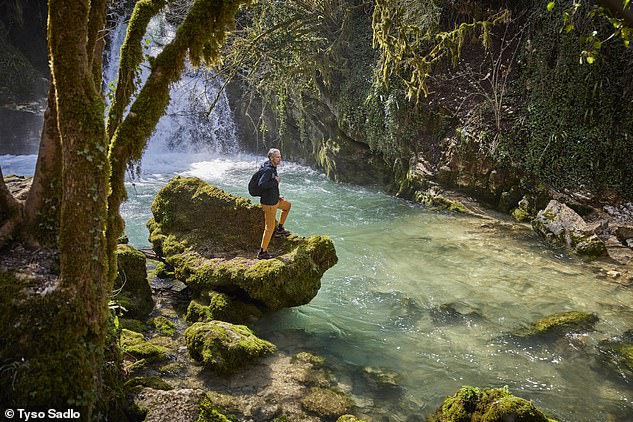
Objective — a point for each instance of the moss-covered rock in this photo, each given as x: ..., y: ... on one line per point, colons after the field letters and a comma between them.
x: 491, y: 405
x: 224, y: 347
x: 562, y: 226
x: 133, y: 325
x: 136, y: 345
x: 211, y: 238
x: 138, y: 383
x: 560, y: 324
x: 219, y: 306
x: 349, y: 418
x: 327, y: 403
x: 132, y: 291
x: 432, y: 198
x: 619, y: 351
x: 164, y: 326
x: 211, y: 412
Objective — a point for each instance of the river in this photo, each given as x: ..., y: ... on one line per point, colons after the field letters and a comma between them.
x: 379, y: 307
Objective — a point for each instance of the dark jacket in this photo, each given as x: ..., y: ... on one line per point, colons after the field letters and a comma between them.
x: 268, y: 185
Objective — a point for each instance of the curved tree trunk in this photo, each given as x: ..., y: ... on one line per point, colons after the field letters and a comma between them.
x: 42, y: 206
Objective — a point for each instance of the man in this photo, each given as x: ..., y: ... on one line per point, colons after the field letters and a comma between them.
x: 271, y: 201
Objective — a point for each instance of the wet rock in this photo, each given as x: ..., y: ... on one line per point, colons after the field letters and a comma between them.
x: 446, y: 313
x: 138, y: 383
x: 618, y: 352
x: 559, y: 324
x: 132, y: 290
x: 182, y: 405
x: 211, y: 237
x: 349, y: 418
x: 219, y: 306
x: 224, y: 347
x: 562, y: 226
x: 327, y: 403
x: 432, y: 198
x: 490, y: 404
x: 384, y: 381
x: 136, y: 345
x: 624, y: 233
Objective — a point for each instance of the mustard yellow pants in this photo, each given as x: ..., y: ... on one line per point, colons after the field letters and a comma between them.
x: 270, y: 218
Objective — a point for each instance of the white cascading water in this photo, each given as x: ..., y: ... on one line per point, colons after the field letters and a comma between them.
x: 189, y: 131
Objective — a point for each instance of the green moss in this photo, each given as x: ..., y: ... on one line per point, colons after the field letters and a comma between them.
x: 133, y: 325
x: 138, y: 383
x: 132, y: 291
x: 349, y: 418
x: 164, y: 325
x: 210, y: 412
x: 619, y: 351
x: 431, y: 198
x: 164, y: 271
x: 327, y: 403
x: 219, y: 306
x: 224, y: 347
x: 314, y: 360
x: 136, y: 345
x: 563, y: 322
x: 212, y: 252
x: 43, y: 361
x: 521, y: 215
x: 491, y: 405
x: 591, y: 247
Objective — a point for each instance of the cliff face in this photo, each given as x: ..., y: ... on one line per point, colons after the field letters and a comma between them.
x: 521, y: 117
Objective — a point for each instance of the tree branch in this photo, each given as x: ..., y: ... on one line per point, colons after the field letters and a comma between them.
x: 131, y: 58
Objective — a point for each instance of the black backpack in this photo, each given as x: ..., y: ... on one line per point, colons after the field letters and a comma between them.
x: 253, y: 185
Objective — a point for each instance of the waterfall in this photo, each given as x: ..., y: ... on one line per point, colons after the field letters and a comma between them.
x: 189, y: 130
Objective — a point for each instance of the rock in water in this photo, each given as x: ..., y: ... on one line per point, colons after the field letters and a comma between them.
x: 224, y: 347
x: 211, y: 238
x: 562, y: 226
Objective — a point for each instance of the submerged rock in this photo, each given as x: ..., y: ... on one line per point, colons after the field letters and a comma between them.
x: 619, y: 351
x: 490, y: 404
x: 560, y: 324
x: 211, y: 238
x: 224, y: 347
x: 327, y: 403
x: 562, y: 226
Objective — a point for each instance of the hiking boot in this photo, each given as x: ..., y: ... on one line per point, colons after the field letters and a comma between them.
x: 264, y: 255
x: 281, y: 232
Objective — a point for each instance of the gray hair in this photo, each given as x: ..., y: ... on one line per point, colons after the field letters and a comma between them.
x: 272, y: 152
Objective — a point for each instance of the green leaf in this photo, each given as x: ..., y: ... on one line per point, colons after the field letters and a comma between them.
x: 590, y: 59
x: 569, y: 27
x: 626, y: 3
x: 550, y: 6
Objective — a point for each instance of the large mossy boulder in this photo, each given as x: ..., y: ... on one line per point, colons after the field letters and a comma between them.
x: 211, y: 238
x: 490, y: 405
x: 132, y: 290
x: 223, y: 347
x: 562, y: 226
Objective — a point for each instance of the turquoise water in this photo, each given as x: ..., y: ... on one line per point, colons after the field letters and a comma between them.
x: 398, y: 263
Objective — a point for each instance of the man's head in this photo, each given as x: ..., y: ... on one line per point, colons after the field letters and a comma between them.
x: 274, y: 155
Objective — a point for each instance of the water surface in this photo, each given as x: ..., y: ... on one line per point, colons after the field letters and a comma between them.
x: 398, y: 263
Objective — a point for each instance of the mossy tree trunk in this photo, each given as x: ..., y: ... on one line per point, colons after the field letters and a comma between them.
x: 80, y: 172
x: 84, y: 181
